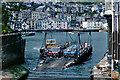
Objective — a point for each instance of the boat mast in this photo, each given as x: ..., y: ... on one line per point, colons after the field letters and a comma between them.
x: 89, y: 37
x: 66, y: 37
x: 45, y: 39
x: 51, y: 34
x: 79, y: 38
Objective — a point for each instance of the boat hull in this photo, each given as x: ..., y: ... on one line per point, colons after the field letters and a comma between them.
x: 84, y: 56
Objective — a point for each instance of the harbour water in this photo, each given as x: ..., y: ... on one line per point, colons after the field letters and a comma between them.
x: 34, y: 43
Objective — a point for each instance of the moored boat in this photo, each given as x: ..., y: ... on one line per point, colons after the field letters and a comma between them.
x: 27, y: 33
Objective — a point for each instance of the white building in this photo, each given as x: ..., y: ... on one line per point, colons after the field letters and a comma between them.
x: 69, y: 17
x: 51, y: 24
x: 43, y: 15
x: 94, y: 8
x: 31, y: 23
x: 26, y: 14
x: 105, y: 26
x: 79, y: 18
x: 35, y: 15
x: 25, y: 26
x: 92, y: 25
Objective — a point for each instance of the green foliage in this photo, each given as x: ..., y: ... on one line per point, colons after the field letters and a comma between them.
x: 6, y: 10
x: 0, y: 11
x: 100, y: 10
x: 23, y: 6
x: 18, y: 71
x: 80, y: 14
x: 34, y: 6
x: 5, y: 14
x: 6, y: 28
x: 15, y: 7
x: 91, y: 13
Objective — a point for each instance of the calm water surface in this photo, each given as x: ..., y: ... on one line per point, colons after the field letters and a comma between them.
x: 34, y: 43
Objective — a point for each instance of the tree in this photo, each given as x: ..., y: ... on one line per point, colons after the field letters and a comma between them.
x: 5, y: 14
x: 6, y: 10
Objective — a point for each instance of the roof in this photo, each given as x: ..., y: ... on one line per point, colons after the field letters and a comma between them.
x: 40, y: 7
x: 108, y: 12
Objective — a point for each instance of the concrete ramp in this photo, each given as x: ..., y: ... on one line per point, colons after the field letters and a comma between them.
x: 55, y: 64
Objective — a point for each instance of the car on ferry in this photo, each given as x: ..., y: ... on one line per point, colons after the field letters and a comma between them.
x: 54, y: 51
x: 71, y: 51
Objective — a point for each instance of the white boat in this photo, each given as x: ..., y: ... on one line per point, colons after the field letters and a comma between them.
x: 71, y: 32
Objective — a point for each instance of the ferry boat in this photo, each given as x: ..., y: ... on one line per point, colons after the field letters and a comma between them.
x: 77, y: 51
x: 63, y: 55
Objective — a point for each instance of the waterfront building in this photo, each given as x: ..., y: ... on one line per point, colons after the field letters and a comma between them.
x: 80, y: 9
x: 26, y: 14
x: 58, y: 8
x: 16, y: 20
x: 60, y: 16
x: 25, y: 26
x: 79, y: 18
x: 16, y: 25
x: 64, y: 9
x: 35, y: 15
x: 69, y: 17
x: 16, y: 15
x: 105, y: 26
x: 51, y: 24
x: 19, y: 24
x: 92, y: 25
x: 31, y: 23
x: 20, y: 15
x: 74, y: 24
x: 73, y: 17
x: 43, y: 15
x: 94, y: 8
x: 73, y: 10
x: 68, y: 9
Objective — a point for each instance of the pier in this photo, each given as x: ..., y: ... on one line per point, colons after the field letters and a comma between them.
x: 101, y: 70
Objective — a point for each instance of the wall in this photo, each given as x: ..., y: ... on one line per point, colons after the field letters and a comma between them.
x: 13, y: 47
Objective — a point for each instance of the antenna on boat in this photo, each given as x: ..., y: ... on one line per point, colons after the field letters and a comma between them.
x: 90, y: 37
x: 51, y: 34
x: 45, y: 39
x: 66, y: 36
x: 79, y: 38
